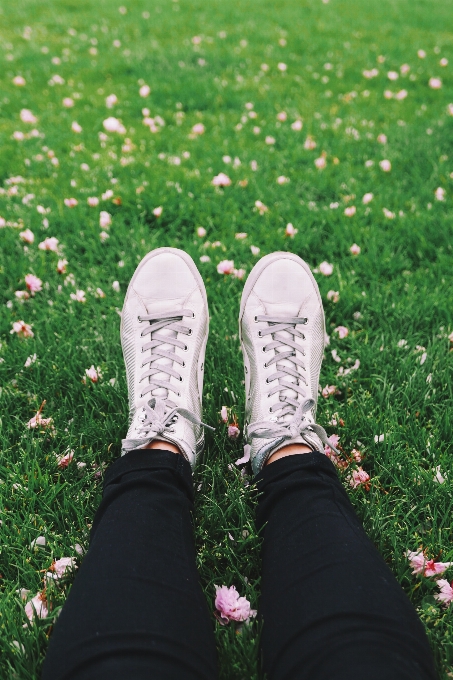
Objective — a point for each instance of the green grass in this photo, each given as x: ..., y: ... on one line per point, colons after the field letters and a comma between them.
x: 401, y: 283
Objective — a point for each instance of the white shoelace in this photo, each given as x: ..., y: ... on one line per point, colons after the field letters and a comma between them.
x: 288, y: 377
x: 159, y: 413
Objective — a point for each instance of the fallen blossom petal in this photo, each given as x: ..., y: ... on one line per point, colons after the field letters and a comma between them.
x: 225, y: 267
x: 230, y: 606
x: 221, y: 180
x: 49, y: 243
x: 358, y: 478
x: 326, y: 268
x: 63, y: 461
x: 233, y: 431
x: 27, y: 236
x: 37, y: 607
x: 33, y: 284
x: 446, y: 592
x: 342, y: 331
x: 22, y: 329
x: 354, y: 249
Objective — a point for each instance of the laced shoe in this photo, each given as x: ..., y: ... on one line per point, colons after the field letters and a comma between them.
x: 282, y: 330
x: 164, y: 330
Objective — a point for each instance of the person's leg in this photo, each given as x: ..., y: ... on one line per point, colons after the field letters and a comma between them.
x: 136, y: 609
x: 331, y: 607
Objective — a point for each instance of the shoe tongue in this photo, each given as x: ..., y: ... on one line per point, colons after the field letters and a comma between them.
x: 158, y: 307
x: 285, y: 310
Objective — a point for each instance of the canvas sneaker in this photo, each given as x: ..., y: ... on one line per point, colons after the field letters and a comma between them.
x: 282, y: 331
x: 164, y: 330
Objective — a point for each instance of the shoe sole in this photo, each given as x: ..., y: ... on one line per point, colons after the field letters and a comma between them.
x: 259, y: 268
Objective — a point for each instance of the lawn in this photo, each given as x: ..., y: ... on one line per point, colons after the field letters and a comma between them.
x: 335, y: 117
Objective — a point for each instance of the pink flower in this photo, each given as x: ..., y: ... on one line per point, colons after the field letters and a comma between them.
x: 355, y: 249
x: 104, y: 236
x: 393, y: 75
x: 27, y: 236
x: 421, y: 54
x: 93, y: 201
x: 225, y: 267
x: 342, y: 332
x: 297, y: 125
x: 350, y: 211
x: 328, y: 391
x: 68, y: 103
x: 22, y: 294
x: 19, y: 81
x: 325, y: 268
x: 231, y: 607
x: 259, y: 205
x: 144, y: 91
x: 63, y: 461
x: 224, y: 414
x: 112, y: 124
x: 382, y: 139
x: 450, y: 109
x: 105, y: 219
x: 385, y: 165
x: 239, y: 273
x: 356, y: 455
x: 435, y: 83
x: 157, y: 212
x: 198, y: 129
x: 49, y: 243
x: 282, y: 116
x: 290, y: 230
x: 333, y: 440
x: 446, y: 592
x: 38, y: 420
x: 420, y: 565
x: 26, y: 116
x: 37, y: 607
x: 440, y: 194
x: 309, y: 143
x: 71, y: 202
x: 359, y: 477
x: 61, y: 266
x: 282, y: 66
x: 60, y: 567
x: 78, y: 296
x: 281, y: 179
x: 92, y: 374
x: 75, y: 127
x: 333, y: 295
x: 22, y: 329
x: 201, y: 232
x: 33, y: 284
x: 321, y: 162
x: 233, y: 431
x: 221, y: 180
x: 269, y: 140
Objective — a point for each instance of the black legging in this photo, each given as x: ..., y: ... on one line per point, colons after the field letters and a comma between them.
x: 331, y: 608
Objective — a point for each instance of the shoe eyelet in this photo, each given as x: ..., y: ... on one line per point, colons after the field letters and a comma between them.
x: 179, y: 394
x: 259, y: 334
x: 267, y: 381
x: 264, y: 365
x: 190, y: 331
x: 270, y: 408
x: 139, y: 319
x: 181, y: 378
x: 183, y: 364
x: 256, y: 319
x: 246, y: 370
x: 202, y: 367
x: 263, y: 349
x: 193, y: 315
x: 186, y: 349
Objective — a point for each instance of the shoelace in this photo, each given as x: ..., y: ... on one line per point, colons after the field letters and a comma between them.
x: 160, y: 413
x: 283, y: 334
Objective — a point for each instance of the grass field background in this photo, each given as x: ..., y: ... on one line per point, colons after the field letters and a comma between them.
x: 232, y: 67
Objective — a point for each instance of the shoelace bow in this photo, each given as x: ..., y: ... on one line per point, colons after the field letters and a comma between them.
x: 160, y: 413
x: 285, y: 349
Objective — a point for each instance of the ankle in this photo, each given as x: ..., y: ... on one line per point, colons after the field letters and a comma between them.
x: 289, y: 450
x: 163, y: 446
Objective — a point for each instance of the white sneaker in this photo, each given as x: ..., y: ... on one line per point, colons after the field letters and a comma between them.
x: 282, y: 330
x: 164, y: 329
